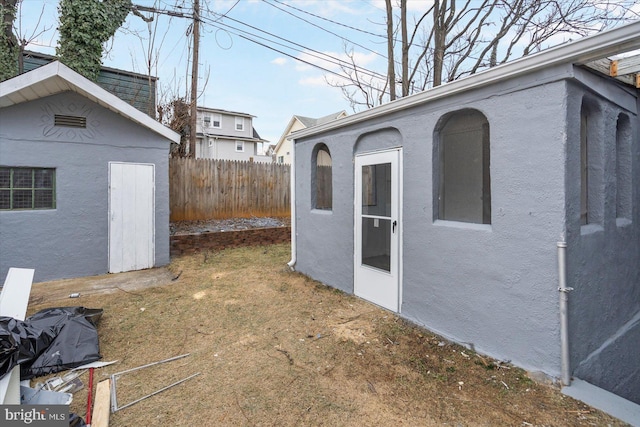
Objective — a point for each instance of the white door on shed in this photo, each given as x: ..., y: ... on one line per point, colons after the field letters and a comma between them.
x: 131, y: 216
x: 377, y: 268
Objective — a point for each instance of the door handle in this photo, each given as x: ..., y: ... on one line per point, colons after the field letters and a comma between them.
x: 393, y: 230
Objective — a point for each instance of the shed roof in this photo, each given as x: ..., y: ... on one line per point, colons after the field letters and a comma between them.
x: 586, y: 51
x: 56, y: 77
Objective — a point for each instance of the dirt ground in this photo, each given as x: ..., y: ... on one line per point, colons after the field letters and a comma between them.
x: 273, y: 348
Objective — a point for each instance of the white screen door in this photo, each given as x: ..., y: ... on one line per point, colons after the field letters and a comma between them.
x: 377, y: 228
x: 131, y: 216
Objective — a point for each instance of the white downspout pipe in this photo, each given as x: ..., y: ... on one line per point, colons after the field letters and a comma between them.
x: 292, y: 179
x: 564, y: 315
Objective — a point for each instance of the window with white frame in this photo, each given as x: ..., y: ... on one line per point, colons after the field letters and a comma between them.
x: 280, y: 159
x: 239, y: 123
x: 462, y: 180
x: 27, y: 188
x: 240, y: 146
x: 207, y: 121
x: 217, y: 120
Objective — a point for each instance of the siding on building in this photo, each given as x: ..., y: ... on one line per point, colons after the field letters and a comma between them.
x: 133, y: 88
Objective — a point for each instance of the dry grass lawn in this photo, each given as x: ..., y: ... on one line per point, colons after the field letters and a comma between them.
x: 274, y: 348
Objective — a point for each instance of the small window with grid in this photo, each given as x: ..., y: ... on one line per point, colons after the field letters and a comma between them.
x: 217, y: 121
x: 27, y: 188
x: 240, y: 123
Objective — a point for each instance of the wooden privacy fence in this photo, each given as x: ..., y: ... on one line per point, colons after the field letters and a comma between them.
x: 218, y: 189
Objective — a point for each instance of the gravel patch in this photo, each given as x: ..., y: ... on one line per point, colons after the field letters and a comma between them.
x: 221, y: 225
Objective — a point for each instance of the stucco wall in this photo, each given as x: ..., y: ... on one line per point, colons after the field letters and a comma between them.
x: 72, y: 239
x: 603, y: 263
x: 493, y: 287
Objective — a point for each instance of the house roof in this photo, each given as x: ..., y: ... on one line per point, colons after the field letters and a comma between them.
x: 586, y: 51
x: 56, y: 77
x: 257, y: 136
x: 307, y: 122
x: 254, y: 138
x: 220, y: 111
x: 50, y: 58
x: 310, y: 122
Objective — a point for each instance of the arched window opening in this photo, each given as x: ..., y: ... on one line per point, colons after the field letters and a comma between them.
x: 462, y: 168
x: 591, y: 164
x: 623, y: 168
x: 323, y: 178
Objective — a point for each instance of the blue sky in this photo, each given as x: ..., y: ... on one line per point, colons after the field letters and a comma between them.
x: 236, y: 74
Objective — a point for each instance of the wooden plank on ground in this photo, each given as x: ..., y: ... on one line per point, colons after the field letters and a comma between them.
x: 13, y: 303
x: 102, y: 405
x: 15, y: 293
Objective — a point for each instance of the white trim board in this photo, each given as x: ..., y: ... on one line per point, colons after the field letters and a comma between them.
x: 13, y: 303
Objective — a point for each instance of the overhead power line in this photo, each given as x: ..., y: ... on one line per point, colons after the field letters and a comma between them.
x: 317, y: 54
x: 297, y: 58
x: 251, y: 37
x: 330, y: 32
x: 324, y: 19
x: 324, y: 29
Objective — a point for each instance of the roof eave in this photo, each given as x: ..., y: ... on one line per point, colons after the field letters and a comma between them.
x: 66, y: 79
x: 221, y: 111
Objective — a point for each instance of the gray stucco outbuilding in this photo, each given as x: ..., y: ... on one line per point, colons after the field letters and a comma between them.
x: 84, y: 183
x: 478, y: 207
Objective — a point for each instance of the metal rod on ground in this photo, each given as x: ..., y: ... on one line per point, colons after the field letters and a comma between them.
x: 89, y: 398
x: 151, y: 364
x: 114, y: 378
x: 156, y: 392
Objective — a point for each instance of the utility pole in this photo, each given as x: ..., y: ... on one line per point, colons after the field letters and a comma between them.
x: 193, y: 120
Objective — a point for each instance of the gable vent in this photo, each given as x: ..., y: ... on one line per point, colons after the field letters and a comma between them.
x: 70, y: 121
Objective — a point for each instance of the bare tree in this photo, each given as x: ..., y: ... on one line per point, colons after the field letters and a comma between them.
x: 361, y: 89
x: 391, y: 70
x: 454, y: 38
x: 175, y: 115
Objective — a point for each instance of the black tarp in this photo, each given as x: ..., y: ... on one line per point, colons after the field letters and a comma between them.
x: 52, y: 340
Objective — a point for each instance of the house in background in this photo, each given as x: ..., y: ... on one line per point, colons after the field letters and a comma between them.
x: 228, y: 135
x: 84, y: 179
x: 135, y: 89
x: 271, y: 151
x: 282, y: 150
x: 473, y: 208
